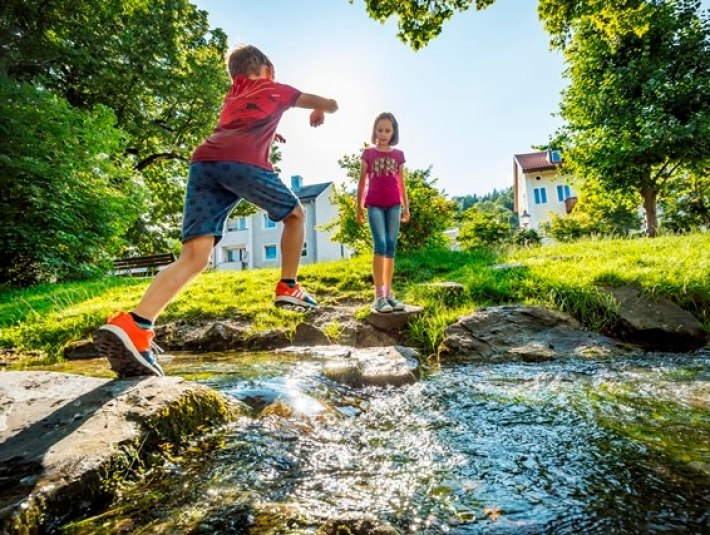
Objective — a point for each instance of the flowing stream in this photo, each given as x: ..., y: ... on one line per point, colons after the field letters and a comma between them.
x: 576, y: 447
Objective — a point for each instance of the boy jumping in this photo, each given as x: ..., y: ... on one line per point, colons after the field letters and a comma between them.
x: 230, y: 165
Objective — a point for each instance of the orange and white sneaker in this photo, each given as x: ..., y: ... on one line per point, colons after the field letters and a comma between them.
x: 128, y: 348
x: 294, y: 295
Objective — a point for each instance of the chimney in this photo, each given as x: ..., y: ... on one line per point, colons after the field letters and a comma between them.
x: 296, y: 182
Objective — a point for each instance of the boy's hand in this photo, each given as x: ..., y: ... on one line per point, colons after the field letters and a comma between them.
x: 317, y: 118
x: 359, y: 217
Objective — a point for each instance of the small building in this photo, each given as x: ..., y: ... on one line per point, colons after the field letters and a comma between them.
x: 538, y: 188
x: 253, y: 241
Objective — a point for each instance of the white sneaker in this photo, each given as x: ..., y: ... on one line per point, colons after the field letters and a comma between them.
x: 395, y: 303
x: 381, y: 305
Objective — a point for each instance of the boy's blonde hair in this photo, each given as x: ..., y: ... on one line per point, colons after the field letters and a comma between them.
x: 246, y: 60
x: 395, y: 127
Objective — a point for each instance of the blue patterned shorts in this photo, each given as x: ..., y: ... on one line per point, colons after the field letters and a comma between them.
x: 215, y: 188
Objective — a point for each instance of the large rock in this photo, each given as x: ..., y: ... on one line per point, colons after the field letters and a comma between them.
x: 309, y: 335
x: 654, y: 323
x: 522, y: 333
x: 358, y: 367
x: 375, y: 366
x: 67, y: 440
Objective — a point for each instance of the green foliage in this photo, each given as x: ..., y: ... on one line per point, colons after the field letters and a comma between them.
x: 526, y: 238
x: 605, y: 211
x: 430, y: 211
x: 66, y: 202
x: 502, y: 198
x: 600, y: 211
x: 686, y: 207
x: 480, y: 228
x: 420, y: 21
x: 567, y: 229
x: 156, y: 64
x: 638, y: 101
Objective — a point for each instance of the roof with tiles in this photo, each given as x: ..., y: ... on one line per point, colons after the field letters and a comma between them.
x: 534, y: 161
x: 311, y: 191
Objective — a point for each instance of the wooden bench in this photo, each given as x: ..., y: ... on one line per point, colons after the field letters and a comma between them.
x: 142, y: 266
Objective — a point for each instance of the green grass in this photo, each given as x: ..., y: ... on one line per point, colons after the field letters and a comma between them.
x: 566, y: 277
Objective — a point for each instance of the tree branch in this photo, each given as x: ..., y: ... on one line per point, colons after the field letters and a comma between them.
x: 157, y: 157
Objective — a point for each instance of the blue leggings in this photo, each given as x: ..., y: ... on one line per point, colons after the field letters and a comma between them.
x: 384, y: 224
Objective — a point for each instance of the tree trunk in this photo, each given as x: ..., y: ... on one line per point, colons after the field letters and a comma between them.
x: 649, y: 195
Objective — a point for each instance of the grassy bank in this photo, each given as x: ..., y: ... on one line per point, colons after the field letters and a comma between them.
x: 46, y: 318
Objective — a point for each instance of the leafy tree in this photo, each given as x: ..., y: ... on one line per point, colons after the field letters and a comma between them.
x: 65, y: 201
x: 156, y: 64
x: 430, y: 211
x: 638, y: 104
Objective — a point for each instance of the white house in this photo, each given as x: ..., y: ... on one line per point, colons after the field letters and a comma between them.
x: 253, y: 241
x: 539, y: 190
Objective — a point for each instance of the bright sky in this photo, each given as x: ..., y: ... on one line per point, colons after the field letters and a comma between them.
x: 484, y: 90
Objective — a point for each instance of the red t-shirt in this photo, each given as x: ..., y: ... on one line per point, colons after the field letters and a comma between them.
x: 250, y: 115
x: 383, y: 177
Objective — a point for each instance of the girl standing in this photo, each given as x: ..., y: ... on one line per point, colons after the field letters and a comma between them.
x: 381, y: 191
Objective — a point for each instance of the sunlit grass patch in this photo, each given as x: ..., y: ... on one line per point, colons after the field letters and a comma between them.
x: 566, y: 277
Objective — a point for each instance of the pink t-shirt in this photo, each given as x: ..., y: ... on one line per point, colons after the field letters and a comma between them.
x: 250, y: 115
x: 383, y: 177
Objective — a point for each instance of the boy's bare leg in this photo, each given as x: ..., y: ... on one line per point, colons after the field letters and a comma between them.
x: 292, y: 243
x: 167, y: 284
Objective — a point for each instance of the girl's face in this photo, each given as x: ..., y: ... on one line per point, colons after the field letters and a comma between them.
x: 384, y: 131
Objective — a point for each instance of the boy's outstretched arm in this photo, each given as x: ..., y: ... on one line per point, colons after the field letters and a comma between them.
x: 319, y: 105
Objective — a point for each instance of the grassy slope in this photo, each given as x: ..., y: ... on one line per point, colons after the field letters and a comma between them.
x: 565, y: 276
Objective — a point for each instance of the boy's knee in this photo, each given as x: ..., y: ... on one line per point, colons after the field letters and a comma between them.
x: 196, y: 254
x: 295, y: 215
x: 195, y: 263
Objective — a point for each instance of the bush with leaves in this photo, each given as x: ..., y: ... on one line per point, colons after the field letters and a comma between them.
x: 567, y: 229
x: 526, y: 237
x: 480, y: 228
x: 65, y: 201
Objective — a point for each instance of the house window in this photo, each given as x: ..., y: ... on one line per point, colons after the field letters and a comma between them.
x: 563, y: 193
x: 240, y: 223
x: 268, y: 223
x: 234, y: 255
x: 304, y: 251
x: 540, y: 195
x: 270, y: 252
